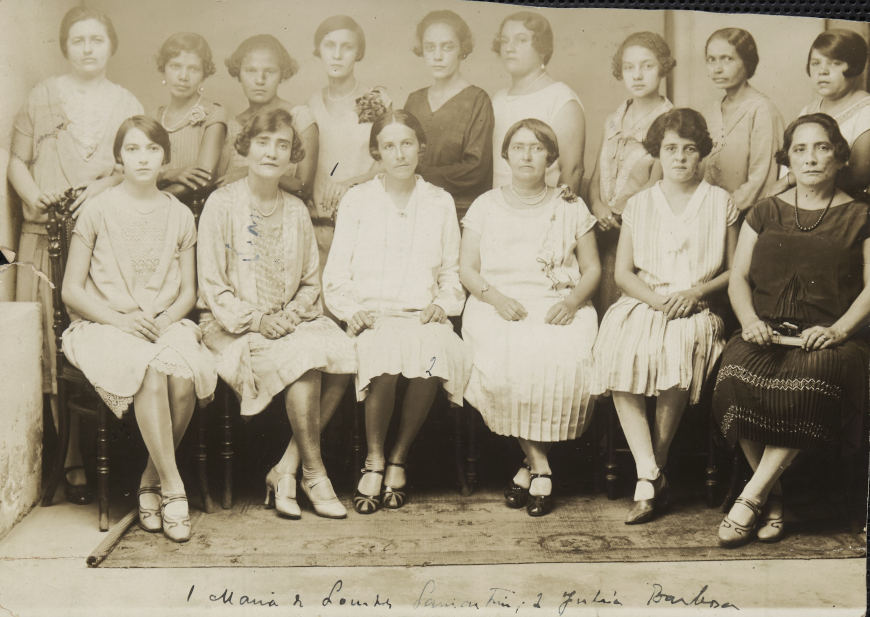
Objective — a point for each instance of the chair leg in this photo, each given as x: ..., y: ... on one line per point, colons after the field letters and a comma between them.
x: 202, y: 460
x: 472, y: 452
x: 712, y: 471
x: 57, y: 466
x: 459, y: 449
x: 103, y: 467
x: 227, y: 450
x: 611, y: 469
x: 356, y: 439
x: 734, y: 483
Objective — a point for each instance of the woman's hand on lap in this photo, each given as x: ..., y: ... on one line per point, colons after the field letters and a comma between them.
x: 360, y: 321
x: 139, y: 324
x: 820, y: 337
x: 273, y: 326
x: 758, y: 332
x: 681, y: 304
x: 508, y: 308
x: 561, y: 314
x: 434, y: 314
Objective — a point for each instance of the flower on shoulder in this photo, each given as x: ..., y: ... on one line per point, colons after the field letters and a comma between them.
x: 373, y: 104
x: 196, y: 115
x: 567, y: 193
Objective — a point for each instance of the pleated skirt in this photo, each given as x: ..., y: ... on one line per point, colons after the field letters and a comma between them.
x: 404, y: 346
x: 530, y: 379
x: 640, y: 351
x: 785, y: 396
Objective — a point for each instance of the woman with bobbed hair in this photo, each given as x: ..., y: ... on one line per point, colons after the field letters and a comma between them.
x: 262, y: 64
x: 456, y: 115
x: 524, y: 43
x: 529, y: 261
x: 262, y: 316
x: 197, y: 127
x: 745, y: 125
x: 660, y: 339
x: 795, y: 376
x: 62, y: 139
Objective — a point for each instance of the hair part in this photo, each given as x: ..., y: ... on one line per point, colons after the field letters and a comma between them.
x: 340, y: 22
x: 831, y: 128
x: 451, y: 20
x: 542, y: 33
x: 843, y: 45
x: 395, y: 116
x: 269, y: 121
x: 685, y: 122
x: 181, y: 42
x: 83, y: 13
x: 648, y: 40
x: 743, y: 44
x: 153, y: 130
x: 543, y: 133
x: 262, y: 42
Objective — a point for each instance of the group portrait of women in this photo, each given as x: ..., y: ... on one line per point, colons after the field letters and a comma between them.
x: 297, y: 247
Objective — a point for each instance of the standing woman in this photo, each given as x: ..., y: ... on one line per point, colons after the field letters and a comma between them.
x: 129, y: 284
x: 62, y: 138
x: 745, y: 125
x: 259, y: 288
x: 456, y: 116
x: 525, y: 45
x: 529, y: 261
x: 261, y: 64
x: 197, y: 127
x: 660, y: 339
x: 393, y: 277
x: 624, y: 166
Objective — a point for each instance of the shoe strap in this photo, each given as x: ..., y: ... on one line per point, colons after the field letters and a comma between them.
x: 400, y: 465
x: 365, y: 470
x: 540, y: 475
x: 149, y: 490
x: 751, y: 504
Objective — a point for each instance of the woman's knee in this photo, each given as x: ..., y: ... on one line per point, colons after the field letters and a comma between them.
x: 154, y: 383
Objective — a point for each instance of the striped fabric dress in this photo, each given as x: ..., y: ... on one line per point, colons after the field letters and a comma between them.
x: 638, y: 349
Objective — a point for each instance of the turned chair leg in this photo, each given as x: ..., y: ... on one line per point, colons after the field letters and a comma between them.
x: 611, y: 469
x: 459, y: 449
x: 103, y: 466
x: 356, y: 438
x: 712, y: 472
x: 227, y: 449
x: 202, y: 460
x: 472, y: 451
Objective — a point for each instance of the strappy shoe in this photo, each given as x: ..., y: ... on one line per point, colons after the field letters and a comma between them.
x: 281, y: 494
x: 327, y: 507
x: 176, y: 529
x: 516, y: 496
x: 539, y: 505
x: 771, y: 528
x: 150, y: 519
x: 732, y: 533
x: 644, y: 510
x: 393, y: 497
x: 363, y: 503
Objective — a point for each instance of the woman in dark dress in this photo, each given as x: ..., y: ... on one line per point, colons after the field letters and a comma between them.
x: 801, y: 268
x: 456, y: 116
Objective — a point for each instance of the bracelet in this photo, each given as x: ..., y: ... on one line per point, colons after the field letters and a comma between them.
x: 484, y: 289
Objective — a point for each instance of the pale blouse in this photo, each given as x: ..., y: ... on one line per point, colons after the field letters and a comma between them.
x: 853, y: 121
x: 394, y: 261
x: 185, y: 138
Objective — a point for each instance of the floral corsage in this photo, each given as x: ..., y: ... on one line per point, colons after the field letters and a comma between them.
x: 373, y: 104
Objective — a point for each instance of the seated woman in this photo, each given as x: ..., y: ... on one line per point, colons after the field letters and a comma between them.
x: 197, y: 127
x: 802, y: 267
x: 259, y: 289
x: 456, y: 115
x: 393, y: 277
x: 530, y: 263
x: 130, y: 281
x: 660, y: 339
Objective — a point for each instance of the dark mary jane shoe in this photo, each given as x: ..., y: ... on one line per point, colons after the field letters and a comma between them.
x: 516, y: 496
x: 539, y: 505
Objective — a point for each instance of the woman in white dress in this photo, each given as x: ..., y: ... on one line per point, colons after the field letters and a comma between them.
x: 393, y: 277
x: 529, y: 260
x: 129, y: 284
x: 259, y: 289
x: 660, y: 339
x: 525, y: 44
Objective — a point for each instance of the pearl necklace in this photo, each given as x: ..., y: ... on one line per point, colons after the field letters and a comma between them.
x: 275, y: 203
x: 530, y: 200
x: 797, y: 221
x: 184, y: 120
x: 343, y: 96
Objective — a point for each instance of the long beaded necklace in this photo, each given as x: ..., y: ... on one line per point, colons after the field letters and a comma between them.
x: 797, y: 221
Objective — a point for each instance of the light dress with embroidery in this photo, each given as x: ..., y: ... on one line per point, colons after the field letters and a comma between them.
x: 135, y: 266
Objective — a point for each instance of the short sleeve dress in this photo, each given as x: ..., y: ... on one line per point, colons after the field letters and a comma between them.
x: 785, y: 396
x: 185, y: 138
x: 530, y: 379
x: 853, y: 121
x: 639, y: 350
x: 135, y: 266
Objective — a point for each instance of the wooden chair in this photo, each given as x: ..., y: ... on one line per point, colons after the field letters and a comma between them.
x: 77, y: 395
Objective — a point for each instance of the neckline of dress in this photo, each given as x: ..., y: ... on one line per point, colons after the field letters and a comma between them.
x: 692, y: 205
x: 517, y: 96
x: 537, y: 209
x: 445, y: 103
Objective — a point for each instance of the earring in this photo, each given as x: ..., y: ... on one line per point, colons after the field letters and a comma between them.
x: 163, y: 81
x: 200, y: 89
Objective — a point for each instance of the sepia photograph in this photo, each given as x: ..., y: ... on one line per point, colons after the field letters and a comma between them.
x: 446, y: 307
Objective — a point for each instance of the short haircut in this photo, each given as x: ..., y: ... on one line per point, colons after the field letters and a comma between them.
x: 455, y: 22
x: 269, y: 121
x: 743, y: 44
x: 397, y: 116
x: 262, y: 42
x: 648, y: 40
x: 153, y: 130
x: 340, y: 22
x: 542, y: 33
x: 831, y: 128
x: 843, y: 45
x: 186, y: 41
x: 685, y: 122
x: 542, y: 131
x: 82, y: 13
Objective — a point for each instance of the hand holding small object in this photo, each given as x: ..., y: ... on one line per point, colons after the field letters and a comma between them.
x: 758, y: 332
x: 820, y: 337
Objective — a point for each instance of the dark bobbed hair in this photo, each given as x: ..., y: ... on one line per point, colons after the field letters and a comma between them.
x: 648, y: 40
x: 455, y: 22
x: 262, y: 42
x: 81, y: 13
x: 269, y: 121
x: 340, y: 22
x: 843, y: 45
x: 397, y: 116
x: 743, y: 44
x: 685, y: 122
x: 153, y: 130
x: 831, y: 128
x: 542, y: 33
x: 542, y: 131
x: 186, y: 41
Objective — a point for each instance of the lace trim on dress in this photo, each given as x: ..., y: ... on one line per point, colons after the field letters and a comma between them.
x: 168, y: 361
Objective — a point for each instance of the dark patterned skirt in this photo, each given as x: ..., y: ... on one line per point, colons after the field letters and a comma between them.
x: 785, y: 396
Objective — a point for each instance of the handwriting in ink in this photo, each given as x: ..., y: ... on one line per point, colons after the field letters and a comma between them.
x: 333, y: 169
x: 427, y: 599
x: 659, y: 596
x: 570, y: 598
x: 256, y: 256
x: 334, y: 597
x: 431, y: 366
x: 226, y: 597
